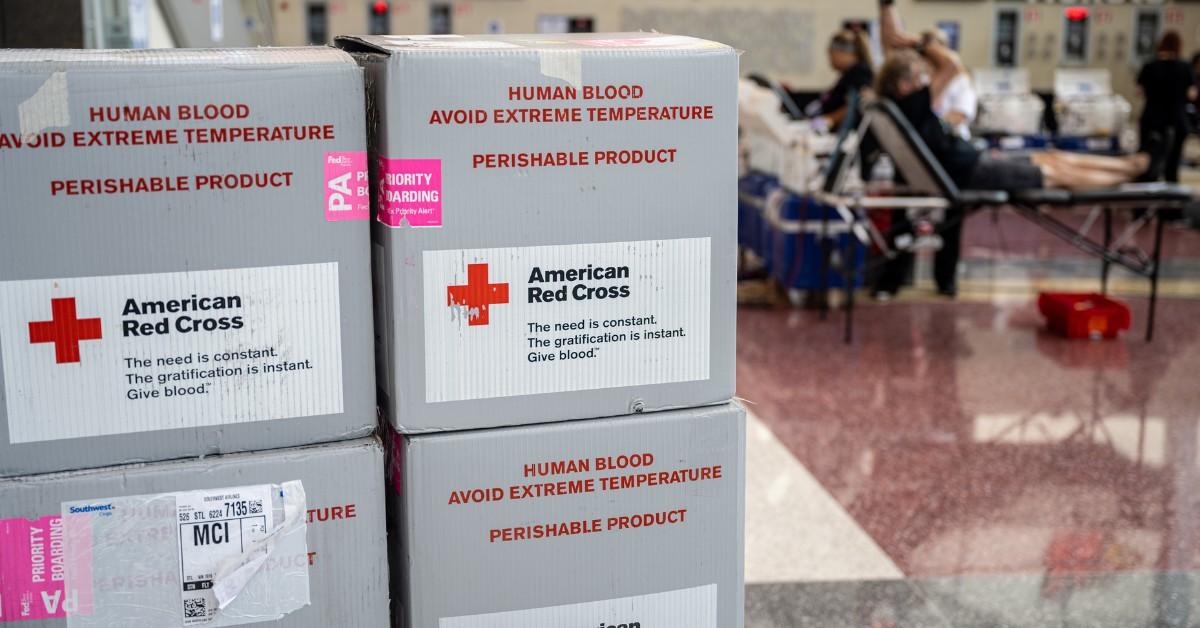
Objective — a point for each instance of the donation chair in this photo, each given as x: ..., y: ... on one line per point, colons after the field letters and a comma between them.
x: 928, y: 187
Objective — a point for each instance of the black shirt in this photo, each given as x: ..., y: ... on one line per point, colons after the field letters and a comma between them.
x: 956, y: 155
x: 1165, y: 83
x: 857, y: 77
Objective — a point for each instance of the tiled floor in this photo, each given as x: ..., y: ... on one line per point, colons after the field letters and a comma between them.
x: 957, y: 465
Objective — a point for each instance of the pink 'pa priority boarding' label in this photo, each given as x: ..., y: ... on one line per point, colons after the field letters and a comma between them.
x: 347, y: 187
x: 410, y: 191
x: 33, y: 569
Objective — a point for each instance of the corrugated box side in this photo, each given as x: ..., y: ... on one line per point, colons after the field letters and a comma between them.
x: 608, y: 520
x: 554, y: 225
x: 185, y: 269
x: 343, y: 482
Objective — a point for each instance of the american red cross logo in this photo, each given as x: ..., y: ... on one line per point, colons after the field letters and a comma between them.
x: 64, y: 330
x: 477, y: 295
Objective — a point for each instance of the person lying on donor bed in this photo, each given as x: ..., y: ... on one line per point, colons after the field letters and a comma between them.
x: 906, y: 80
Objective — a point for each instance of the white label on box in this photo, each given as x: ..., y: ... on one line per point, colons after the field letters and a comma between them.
x: 217, y: 527
x: 543, y: 319
x: 91, y: 356
x: 684, y: 608
x: 215, y: 557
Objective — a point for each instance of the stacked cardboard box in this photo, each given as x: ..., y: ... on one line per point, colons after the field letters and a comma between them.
x: 183, y: 272
x: 554, y: 239
x: 135, y: 581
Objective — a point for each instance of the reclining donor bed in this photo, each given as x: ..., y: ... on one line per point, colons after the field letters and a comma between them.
x: 928, y: 188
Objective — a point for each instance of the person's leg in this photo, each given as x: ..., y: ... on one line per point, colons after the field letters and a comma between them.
x: 1144, y: 131
x: 891, y: 274
x: 1131, y: 165
x: 1175, y: 139
x: 1057, y: 175
x: 945, y: 262
x: 1174, y: 154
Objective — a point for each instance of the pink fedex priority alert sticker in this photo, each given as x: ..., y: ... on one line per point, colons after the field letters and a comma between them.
x: 33, y: 568
x: 347, y: 188
x: 410, y: 192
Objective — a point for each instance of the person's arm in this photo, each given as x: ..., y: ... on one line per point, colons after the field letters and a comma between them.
x: 890, y: 31
x: 954, y: 117
x: 946, y: 66
x: 835, y: 118
x: 831, y: 120
x: 946, y: 63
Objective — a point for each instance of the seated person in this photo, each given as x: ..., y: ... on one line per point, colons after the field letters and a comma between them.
x: 849, y: 56
x: 958, y: 103
x: 906, y: 80
x: 916, y: 76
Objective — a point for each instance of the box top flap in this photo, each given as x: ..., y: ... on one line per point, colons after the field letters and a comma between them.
x: 175, y: 58
x: 578, y: 42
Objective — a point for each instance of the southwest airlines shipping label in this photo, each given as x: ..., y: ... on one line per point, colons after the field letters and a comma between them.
x: 93, y: 356
x: 502, y: 322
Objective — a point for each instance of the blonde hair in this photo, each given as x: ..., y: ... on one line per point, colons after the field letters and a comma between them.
x: 856, y: 39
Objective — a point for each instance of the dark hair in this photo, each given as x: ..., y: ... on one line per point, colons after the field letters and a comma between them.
x: 1170, y: 43
x: 853, y: 39
x: 1196, y: 58
x: 898, y: 67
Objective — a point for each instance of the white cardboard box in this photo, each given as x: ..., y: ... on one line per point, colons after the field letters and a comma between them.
x: 621, y: 520
x: 184, y: 258
x: 555, y: 225
x: 346, y: 539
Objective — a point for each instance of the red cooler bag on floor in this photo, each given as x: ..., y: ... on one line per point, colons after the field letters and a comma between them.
x: 1083, y: 315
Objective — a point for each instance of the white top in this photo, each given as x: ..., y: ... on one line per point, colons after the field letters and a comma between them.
x: 960, y: 96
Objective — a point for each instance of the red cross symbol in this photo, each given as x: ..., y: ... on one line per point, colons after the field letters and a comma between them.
x: 65, y: 331
x: 478, y: 294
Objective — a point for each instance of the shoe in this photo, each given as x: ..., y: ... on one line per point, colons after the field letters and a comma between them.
x: 883, y: 296
x: 949, y: 292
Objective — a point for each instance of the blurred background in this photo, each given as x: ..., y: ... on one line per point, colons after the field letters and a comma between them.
x: 785, y: 40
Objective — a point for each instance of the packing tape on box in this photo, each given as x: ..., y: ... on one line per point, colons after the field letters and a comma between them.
x: 562, y: 64
x: 49, y: 107
x: 215, y: 557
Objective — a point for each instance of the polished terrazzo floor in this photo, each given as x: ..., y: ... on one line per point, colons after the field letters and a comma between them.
x: 957, y: 465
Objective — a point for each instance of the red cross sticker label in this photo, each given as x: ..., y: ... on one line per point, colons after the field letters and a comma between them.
x: 475, y: 297
x: 65, y: 330
x: 93, y: 356
x: 515, y: 321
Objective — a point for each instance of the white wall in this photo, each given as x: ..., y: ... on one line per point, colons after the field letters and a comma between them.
x: 769, y: 30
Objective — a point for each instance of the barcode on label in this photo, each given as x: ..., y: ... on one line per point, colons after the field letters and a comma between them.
x: 195, y: 608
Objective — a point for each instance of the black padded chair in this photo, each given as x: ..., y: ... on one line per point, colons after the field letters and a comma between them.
x: 924, y: 176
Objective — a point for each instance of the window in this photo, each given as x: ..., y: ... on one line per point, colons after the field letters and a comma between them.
x: 582, y: 25
x: 318, y: 23
x: 1146, y: 27
x: 1007, y: 24
x: 439, y: 19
